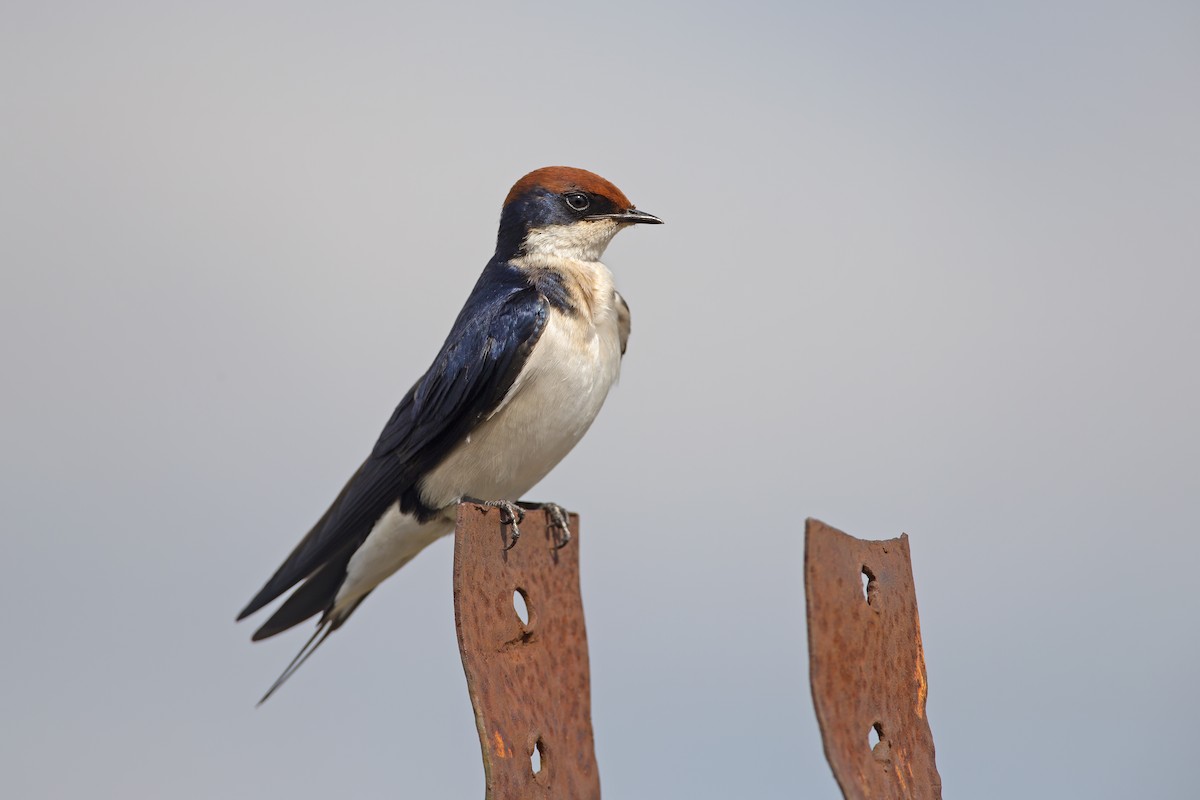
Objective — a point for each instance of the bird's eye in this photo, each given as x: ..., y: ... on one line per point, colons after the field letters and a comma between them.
x: 577, y: 200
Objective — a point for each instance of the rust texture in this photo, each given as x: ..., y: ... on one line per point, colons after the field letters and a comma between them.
x: 529, y: 681
x: 867, y: 666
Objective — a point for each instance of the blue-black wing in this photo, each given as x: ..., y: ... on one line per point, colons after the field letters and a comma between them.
x: 489, y: 344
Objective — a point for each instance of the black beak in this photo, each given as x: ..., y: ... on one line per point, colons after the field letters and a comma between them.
x: 630, y: 216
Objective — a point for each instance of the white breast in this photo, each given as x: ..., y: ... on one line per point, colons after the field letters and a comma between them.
x: 550, y: 407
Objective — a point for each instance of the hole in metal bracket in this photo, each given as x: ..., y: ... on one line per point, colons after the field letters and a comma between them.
x: 881, y: 748
x: 868, y: 584
x: 521, y: 605
x: 538, y: 755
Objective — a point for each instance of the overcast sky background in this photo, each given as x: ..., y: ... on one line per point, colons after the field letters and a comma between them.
x: 928, y: 268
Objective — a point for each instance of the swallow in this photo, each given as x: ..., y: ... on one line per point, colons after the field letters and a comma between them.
x: 519, y: 380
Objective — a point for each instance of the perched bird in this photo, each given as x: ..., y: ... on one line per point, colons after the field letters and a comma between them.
x: 517, y: 383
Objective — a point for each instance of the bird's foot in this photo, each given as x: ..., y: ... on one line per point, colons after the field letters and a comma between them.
x: 559, y: 521
x: 511, y: 514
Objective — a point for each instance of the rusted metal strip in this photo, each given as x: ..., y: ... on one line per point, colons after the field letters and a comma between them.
x: 529, y: 681
x: 866, y: 665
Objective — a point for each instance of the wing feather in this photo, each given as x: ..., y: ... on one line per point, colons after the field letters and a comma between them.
x: 489, y: 344
x: 624, y: 321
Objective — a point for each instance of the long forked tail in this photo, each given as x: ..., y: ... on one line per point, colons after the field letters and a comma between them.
x: 330, y: 621
x: 324, y: 628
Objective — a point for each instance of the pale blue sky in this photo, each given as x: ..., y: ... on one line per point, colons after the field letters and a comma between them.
x: 927, y: 268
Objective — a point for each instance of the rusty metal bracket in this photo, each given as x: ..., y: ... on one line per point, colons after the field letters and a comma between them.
x: 528, y: 678
x: 866, y: 665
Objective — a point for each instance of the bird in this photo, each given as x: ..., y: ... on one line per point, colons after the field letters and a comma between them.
x: 521, y: 376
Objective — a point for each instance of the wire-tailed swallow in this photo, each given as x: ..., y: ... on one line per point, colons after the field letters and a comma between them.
x: 523, y: 373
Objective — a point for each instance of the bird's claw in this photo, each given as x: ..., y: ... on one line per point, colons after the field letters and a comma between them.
x: 560, y: 521
x: 511, y: 515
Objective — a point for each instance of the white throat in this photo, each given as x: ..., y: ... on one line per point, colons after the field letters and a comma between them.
x: 577, y: 241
